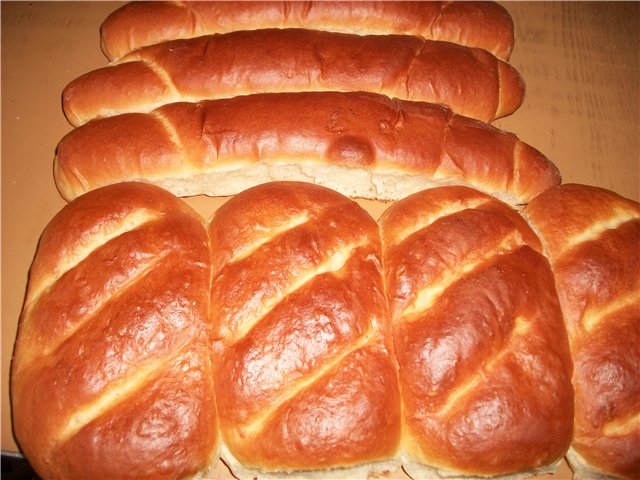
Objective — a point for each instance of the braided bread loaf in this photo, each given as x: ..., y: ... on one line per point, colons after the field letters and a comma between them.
x: 360, y: 144
x: 471, y: 81
x: 475, y: 24
x: 482, y: 351
x: 592, y: 237
x: 305, y: 375
x: 111, y: 374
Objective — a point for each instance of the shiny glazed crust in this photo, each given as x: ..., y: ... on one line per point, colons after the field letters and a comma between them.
x: 300, y: 319
x: 592, y: 236
x: 111, y: 374
x: 469, y: 80
x: 484, y: 25
x: 360, y: 144
x: 482, y: 351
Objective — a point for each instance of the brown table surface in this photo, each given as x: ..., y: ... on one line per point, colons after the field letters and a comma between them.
x: 580, y: 61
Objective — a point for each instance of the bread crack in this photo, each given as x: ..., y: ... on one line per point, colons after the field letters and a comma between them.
x: 597, y: 229
x: 119, y: 291
x: 447, y: 209
x: 274, y: 231
x: 331, y: 265
x: 596, y: 315
x: 86, y: 244
x: 254, y: 426
x: 430, y: 294
x: 521, y: 328
x: 622, y: 426
x: 115, y: 394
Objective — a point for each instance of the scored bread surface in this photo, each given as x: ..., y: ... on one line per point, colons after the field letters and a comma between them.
x: 300, y: 319
x: 470, y: 81
x: 360, y: 144
x: 436, y: 340
x: 592, y: 237
x: 482, y: 351
x: 111, y: 373
x: 139, y: 24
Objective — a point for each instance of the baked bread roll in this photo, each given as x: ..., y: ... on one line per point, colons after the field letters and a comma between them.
x: 483, y: 355
x: 469, y: 80
x: 592, y: 237
x: 304, y: 368
x: 111, y: 374
x: 475, y: 24
x: 360, y: 144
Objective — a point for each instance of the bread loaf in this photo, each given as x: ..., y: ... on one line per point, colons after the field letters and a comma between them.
x: 111, y: 374
x: 475, y: 24
x: 483, y: 356
x: 592, y: 237
x: 471, y: 81
x: 360, y: 144
x: 304, y: 368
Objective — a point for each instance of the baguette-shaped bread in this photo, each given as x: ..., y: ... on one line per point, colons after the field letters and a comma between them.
x: 305, y: 372
x: 111, y: 374
x: 360, y: 144
x: 469, y: 80
x: 475, y: 24
x: 592, y: 237
x: 483, y: 355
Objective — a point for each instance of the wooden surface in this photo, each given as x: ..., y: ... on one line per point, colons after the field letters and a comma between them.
x: 579, y: 60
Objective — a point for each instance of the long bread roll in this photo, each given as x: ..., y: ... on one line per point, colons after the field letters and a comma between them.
x: 304, y: 372
x: 363, y: 145
x: 592, y: 237
x: 483, y: 356
x: 111, y: 374
x: 471, y: 81
x: 476, y: 24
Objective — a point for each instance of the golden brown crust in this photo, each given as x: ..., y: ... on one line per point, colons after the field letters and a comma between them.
x: 482, y: 351
x: 469, y: 80
x: 300, y: 314
x: 195, y: 148
x: 592, y: 237
x: 484, y: 25
x: 111, y: 374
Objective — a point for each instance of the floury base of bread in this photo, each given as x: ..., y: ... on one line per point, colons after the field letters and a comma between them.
x: 420, y: 471
x: 582, y: 470
x: 352, y: 182
x: 365, y: 471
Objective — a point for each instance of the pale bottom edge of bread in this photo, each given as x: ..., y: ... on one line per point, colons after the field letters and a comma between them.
x: 581, y: 468
x: 380, y: 469
x: 380, y: 184
x: 418, y: 471
x: 359, y: 472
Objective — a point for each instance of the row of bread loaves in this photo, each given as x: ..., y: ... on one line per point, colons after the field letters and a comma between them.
x: 323, y: 344
x: 291, y: 358
x: 373, y: 99
x: 451, y: 53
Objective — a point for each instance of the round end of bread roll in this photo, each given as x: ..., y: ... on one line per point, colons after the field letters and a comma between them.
x: 512, y: 90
